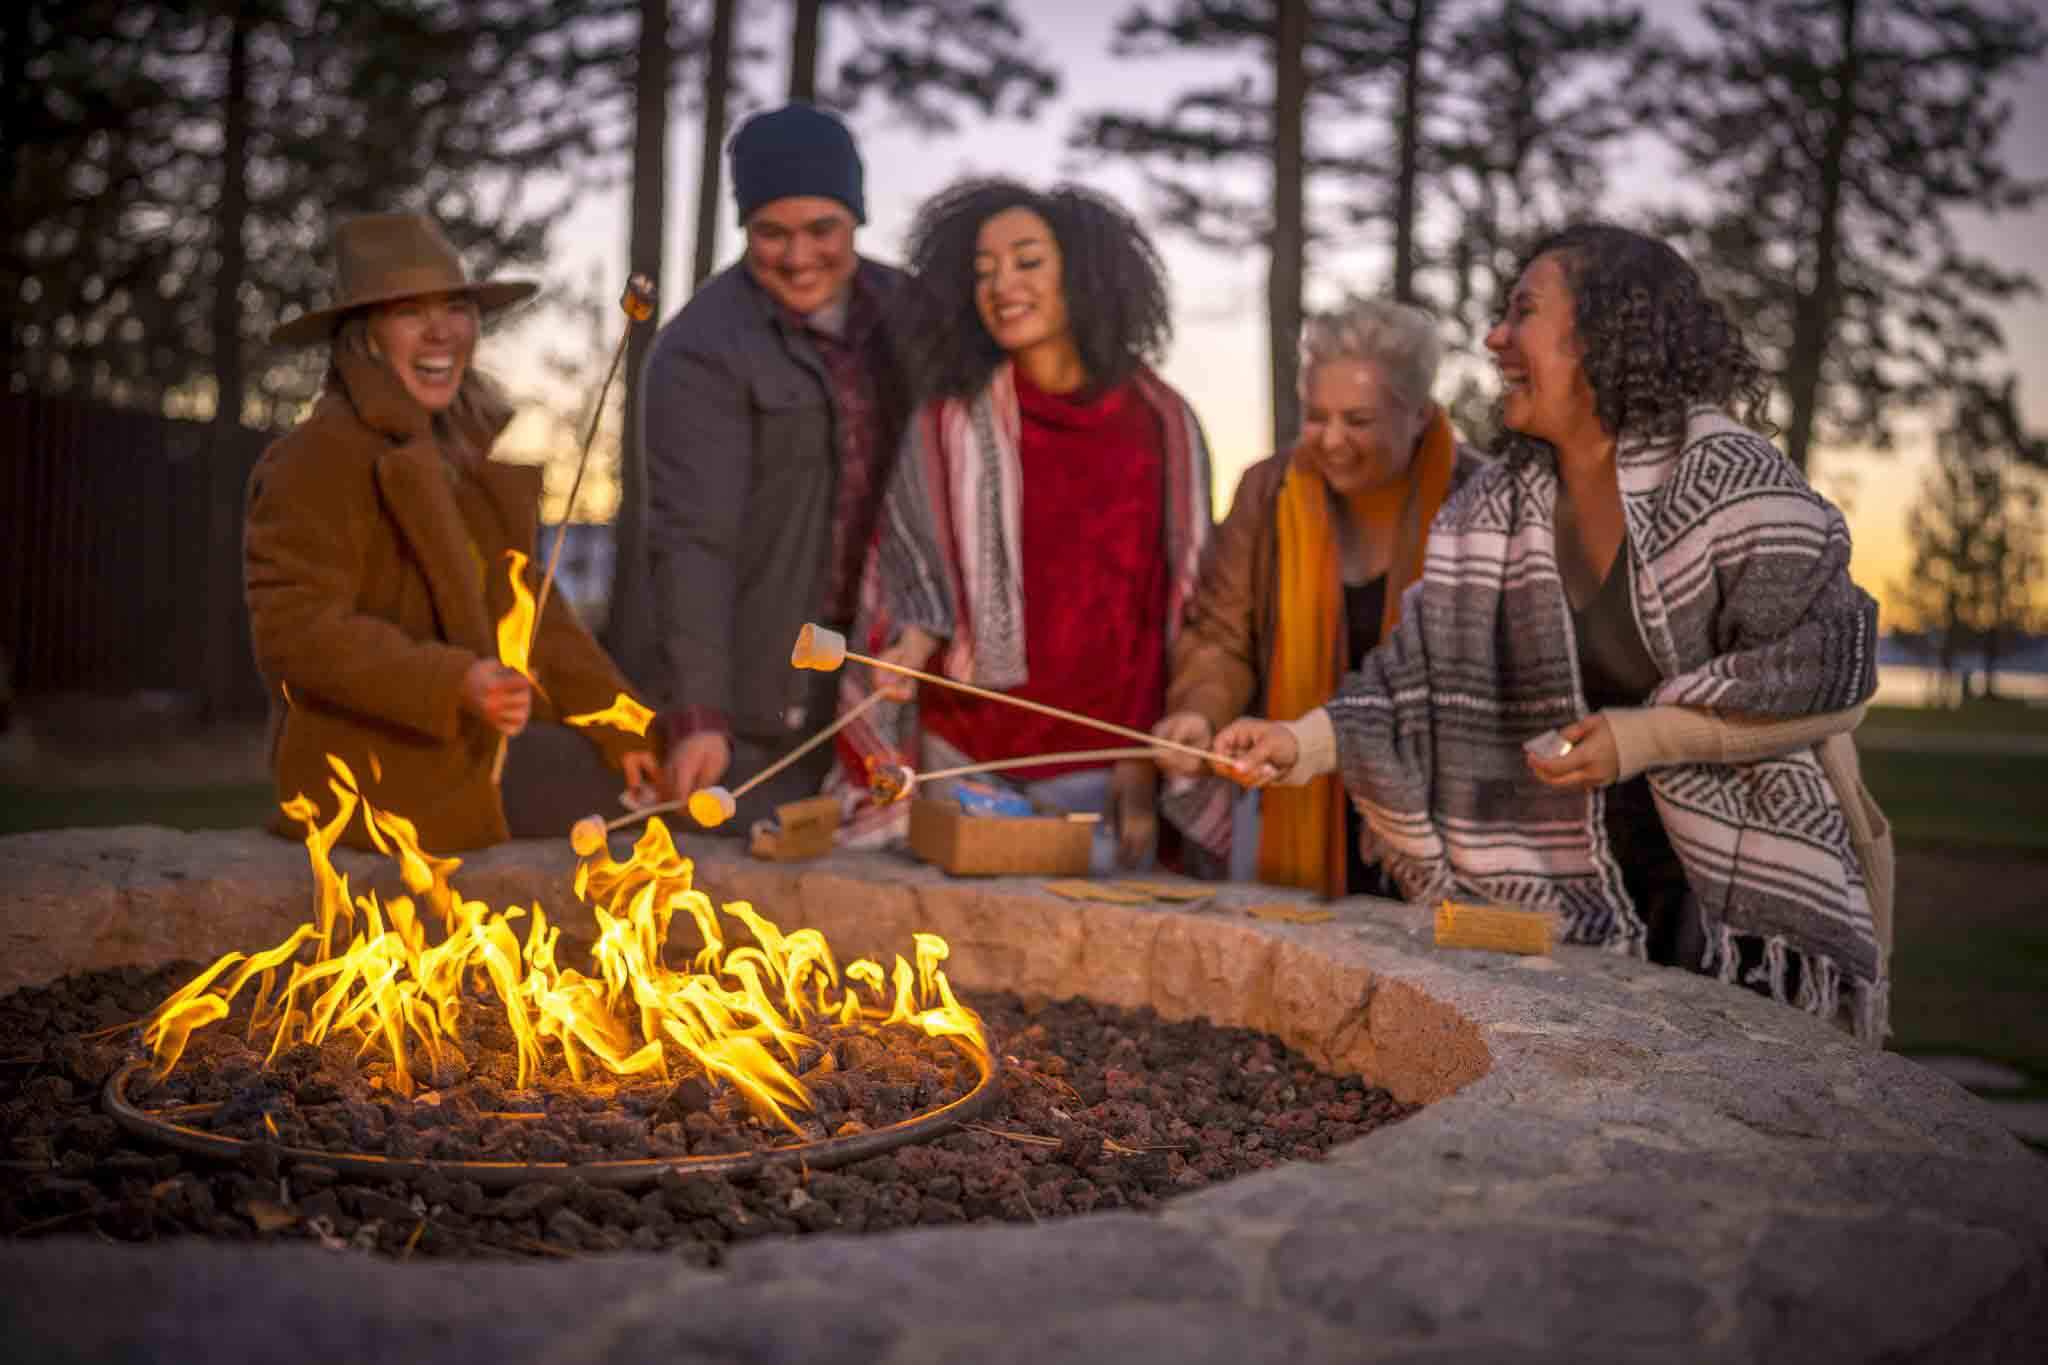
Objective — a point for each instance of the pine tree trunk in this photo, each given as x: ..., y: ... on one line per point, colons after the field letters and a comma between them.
x: 629, y: 630
x: 717, y: 79
x: 230, y: 215
x: 223, y: 544
x: 16, y: 110
x: 1408, y: 148
x: 1813, y: 321
x: 803, y: 51
x: 1288, y: 247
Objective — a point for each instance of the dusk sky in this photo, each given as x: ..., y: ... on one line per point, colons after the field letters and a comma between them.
x: 1218, y: 358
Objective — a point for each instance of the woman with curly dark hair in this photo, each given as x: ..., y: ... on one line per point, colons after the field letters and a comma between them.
x: 1046, y: 519
x: 1622, y: 688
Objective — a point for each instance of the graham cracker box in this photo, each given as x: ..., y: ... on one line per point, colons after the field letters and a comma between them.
x: 801, y: 830
x: 943, y: 834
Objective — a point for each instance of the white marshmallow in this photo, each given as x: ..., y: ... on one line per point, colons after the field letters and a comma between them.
x: 587, y: 836
x: 818, y: 648
x: 712, y: 806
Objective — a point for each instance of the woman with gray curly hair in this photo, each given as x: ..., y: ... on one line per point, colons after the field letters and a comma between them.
x: 1306, y: 575
x: 1618, y: 691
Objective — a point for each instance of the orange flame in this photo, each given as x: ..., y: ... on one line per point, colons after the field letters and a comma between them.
x: 515, y: 628
x: 363, y: 969
x: 623, y: 714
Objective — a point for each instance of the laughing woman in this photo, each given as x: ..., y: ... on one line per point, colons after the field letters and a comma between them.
x: 376, y: 568
x: 1043, y: 528
x: 1638, y: 567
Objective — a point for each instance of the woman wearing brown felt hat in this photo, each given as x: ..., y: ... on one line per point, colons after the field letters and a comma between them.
x: 377, y: 567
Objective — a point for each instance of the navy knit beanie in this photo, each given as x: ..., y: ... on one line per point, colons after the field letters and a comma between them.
x: 795, y: 150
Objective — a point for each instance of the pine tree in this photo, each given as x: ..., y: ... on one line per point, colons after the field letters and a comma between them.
x: 86, y: 115
x: 1977, y: 531
x: 1837, y: 139
x: 1490, y: 109
x: 1536, y: 99
x: 204, y: 212
x: 923, y: 58
x: 1308, y: 59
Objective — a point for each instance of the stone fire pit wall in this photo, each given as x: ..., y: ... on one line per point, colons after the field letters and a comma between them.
x: 1616, y: 1161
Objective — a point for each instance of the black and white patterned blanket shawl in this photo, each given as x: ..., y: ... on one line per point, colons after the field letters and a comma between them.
x: 1743, y: 596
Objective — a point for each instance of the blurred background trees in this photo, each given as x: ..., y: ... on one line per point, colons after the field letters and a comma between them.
x: 170, y: 171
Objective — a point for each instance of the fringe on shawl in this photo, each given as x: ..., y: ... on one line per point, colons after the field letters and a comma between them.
x: 1822, y: 983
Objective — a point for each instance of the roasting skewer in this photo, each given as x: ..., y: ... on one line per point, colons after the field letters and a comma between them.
x: 825, y: 650
x: 637, y: 303
x: 709, y: 806
x: 896, y: 781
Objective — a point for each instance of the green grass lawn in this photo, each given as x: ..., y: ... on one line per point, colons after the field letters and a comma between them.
x: 198, y: 807
x: 1971, y: 985
x: 1977, y: 718
x: 1976, y: 800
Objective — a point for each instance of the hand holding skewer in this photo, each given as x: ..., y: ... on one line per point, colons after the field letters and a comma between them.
x: 825, y: 650
x: 637, y: 303
x: 710, y: 806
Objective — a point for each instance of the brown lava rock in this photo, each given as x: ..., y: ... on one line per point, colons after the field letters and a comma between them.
x: 1101, y: 1108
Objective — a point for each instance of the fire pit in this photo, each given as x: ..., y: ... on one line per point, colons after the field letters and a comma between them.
x: 753, y: 1050
x: 1612, y: 1160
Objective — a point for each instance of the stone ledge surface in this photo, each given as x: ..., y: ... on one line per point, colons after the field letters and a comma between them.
x: 1618, y: 1162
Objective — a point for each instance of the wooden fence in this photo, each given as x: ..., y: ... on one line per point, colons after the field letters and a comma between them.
x: 120, y: 554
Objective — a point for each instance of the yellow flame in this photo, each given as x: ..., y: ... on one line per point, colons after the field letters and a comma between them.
x: 623, y: 714
x: 363, y: 969
x: 515, y: 628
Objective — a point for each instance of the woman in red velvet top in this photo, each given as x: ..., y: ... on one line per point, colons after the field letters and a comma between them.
x: 1045, y: 523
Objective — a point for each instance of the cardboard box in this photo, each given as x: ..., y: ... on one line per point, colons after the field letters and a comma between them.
x: 802, y: 829
x: 999, y: 845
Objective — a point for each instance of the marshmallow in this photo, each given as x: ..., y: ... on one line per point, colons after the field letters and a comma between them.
x: 587, y: 836
x: 891, y: 782
x: 818, y: 648
x: 712, y: 806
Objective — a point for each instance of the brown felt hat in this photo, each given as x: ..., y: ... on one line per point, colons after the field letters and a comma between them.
x: 382, y: 257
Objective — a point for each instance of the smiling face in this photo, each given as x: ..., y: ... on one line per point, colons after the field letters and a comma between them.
x: 1544, y: 392
x: 800, y: 249
x: 1357, y: 433
x: 427, y: 341
x: 1019, y: 282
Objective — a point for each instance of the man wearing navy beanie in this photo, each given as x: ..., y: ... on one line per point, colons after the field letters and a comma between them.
x: 771, y: 407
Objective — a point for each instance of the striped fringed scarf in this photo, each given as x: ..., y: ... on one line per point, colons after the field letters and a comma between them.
x: 1743, y: 596
x: 945, y: 559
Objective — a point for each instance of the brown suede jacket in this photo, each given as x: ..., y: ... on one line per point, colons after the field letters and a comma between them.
x: 1219, y: 660
x: 374, y: 579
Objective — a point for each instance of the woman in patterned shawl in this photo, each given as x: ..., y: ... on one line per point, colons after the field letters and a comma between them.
x: 1638, y: 564
x: 1045, y: 522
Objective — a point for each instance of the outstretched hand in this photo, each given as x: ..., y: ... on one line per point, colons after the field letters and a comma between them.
x: 501, y: 697
x: 912, y: 649
x: 645, y: 780
x: 1264, y: 751
x: 1593, y: 760
x: 1182, y: 727
x: 697, y: 761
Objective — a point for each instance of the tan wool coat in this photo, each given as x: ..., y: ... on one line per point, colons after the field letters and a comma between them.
x: 375, y: 576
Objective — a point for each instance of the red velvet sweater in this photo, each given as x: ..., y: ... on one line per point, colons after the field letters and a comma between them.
x: 1092, y: 520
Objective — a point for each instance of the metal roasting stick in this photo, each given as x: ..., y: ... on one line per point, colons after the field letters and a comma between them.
x: 708, y: 802
x: 895, y: 782
x: 637, y: 303
x: 1038, y: 760
x: 824, y: 650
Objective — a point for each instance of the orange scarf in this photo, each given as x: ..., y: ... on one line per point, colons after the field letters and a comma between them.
x: 1301, y: 839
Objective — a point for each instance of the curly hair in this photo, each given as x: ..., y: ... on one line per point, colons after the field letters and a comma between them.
x: 1113, y: 279
x: 1652, y: 343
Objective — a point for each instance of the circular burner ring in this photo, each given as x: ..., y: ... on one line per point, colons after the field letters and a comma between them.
x: 823, y: 1154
